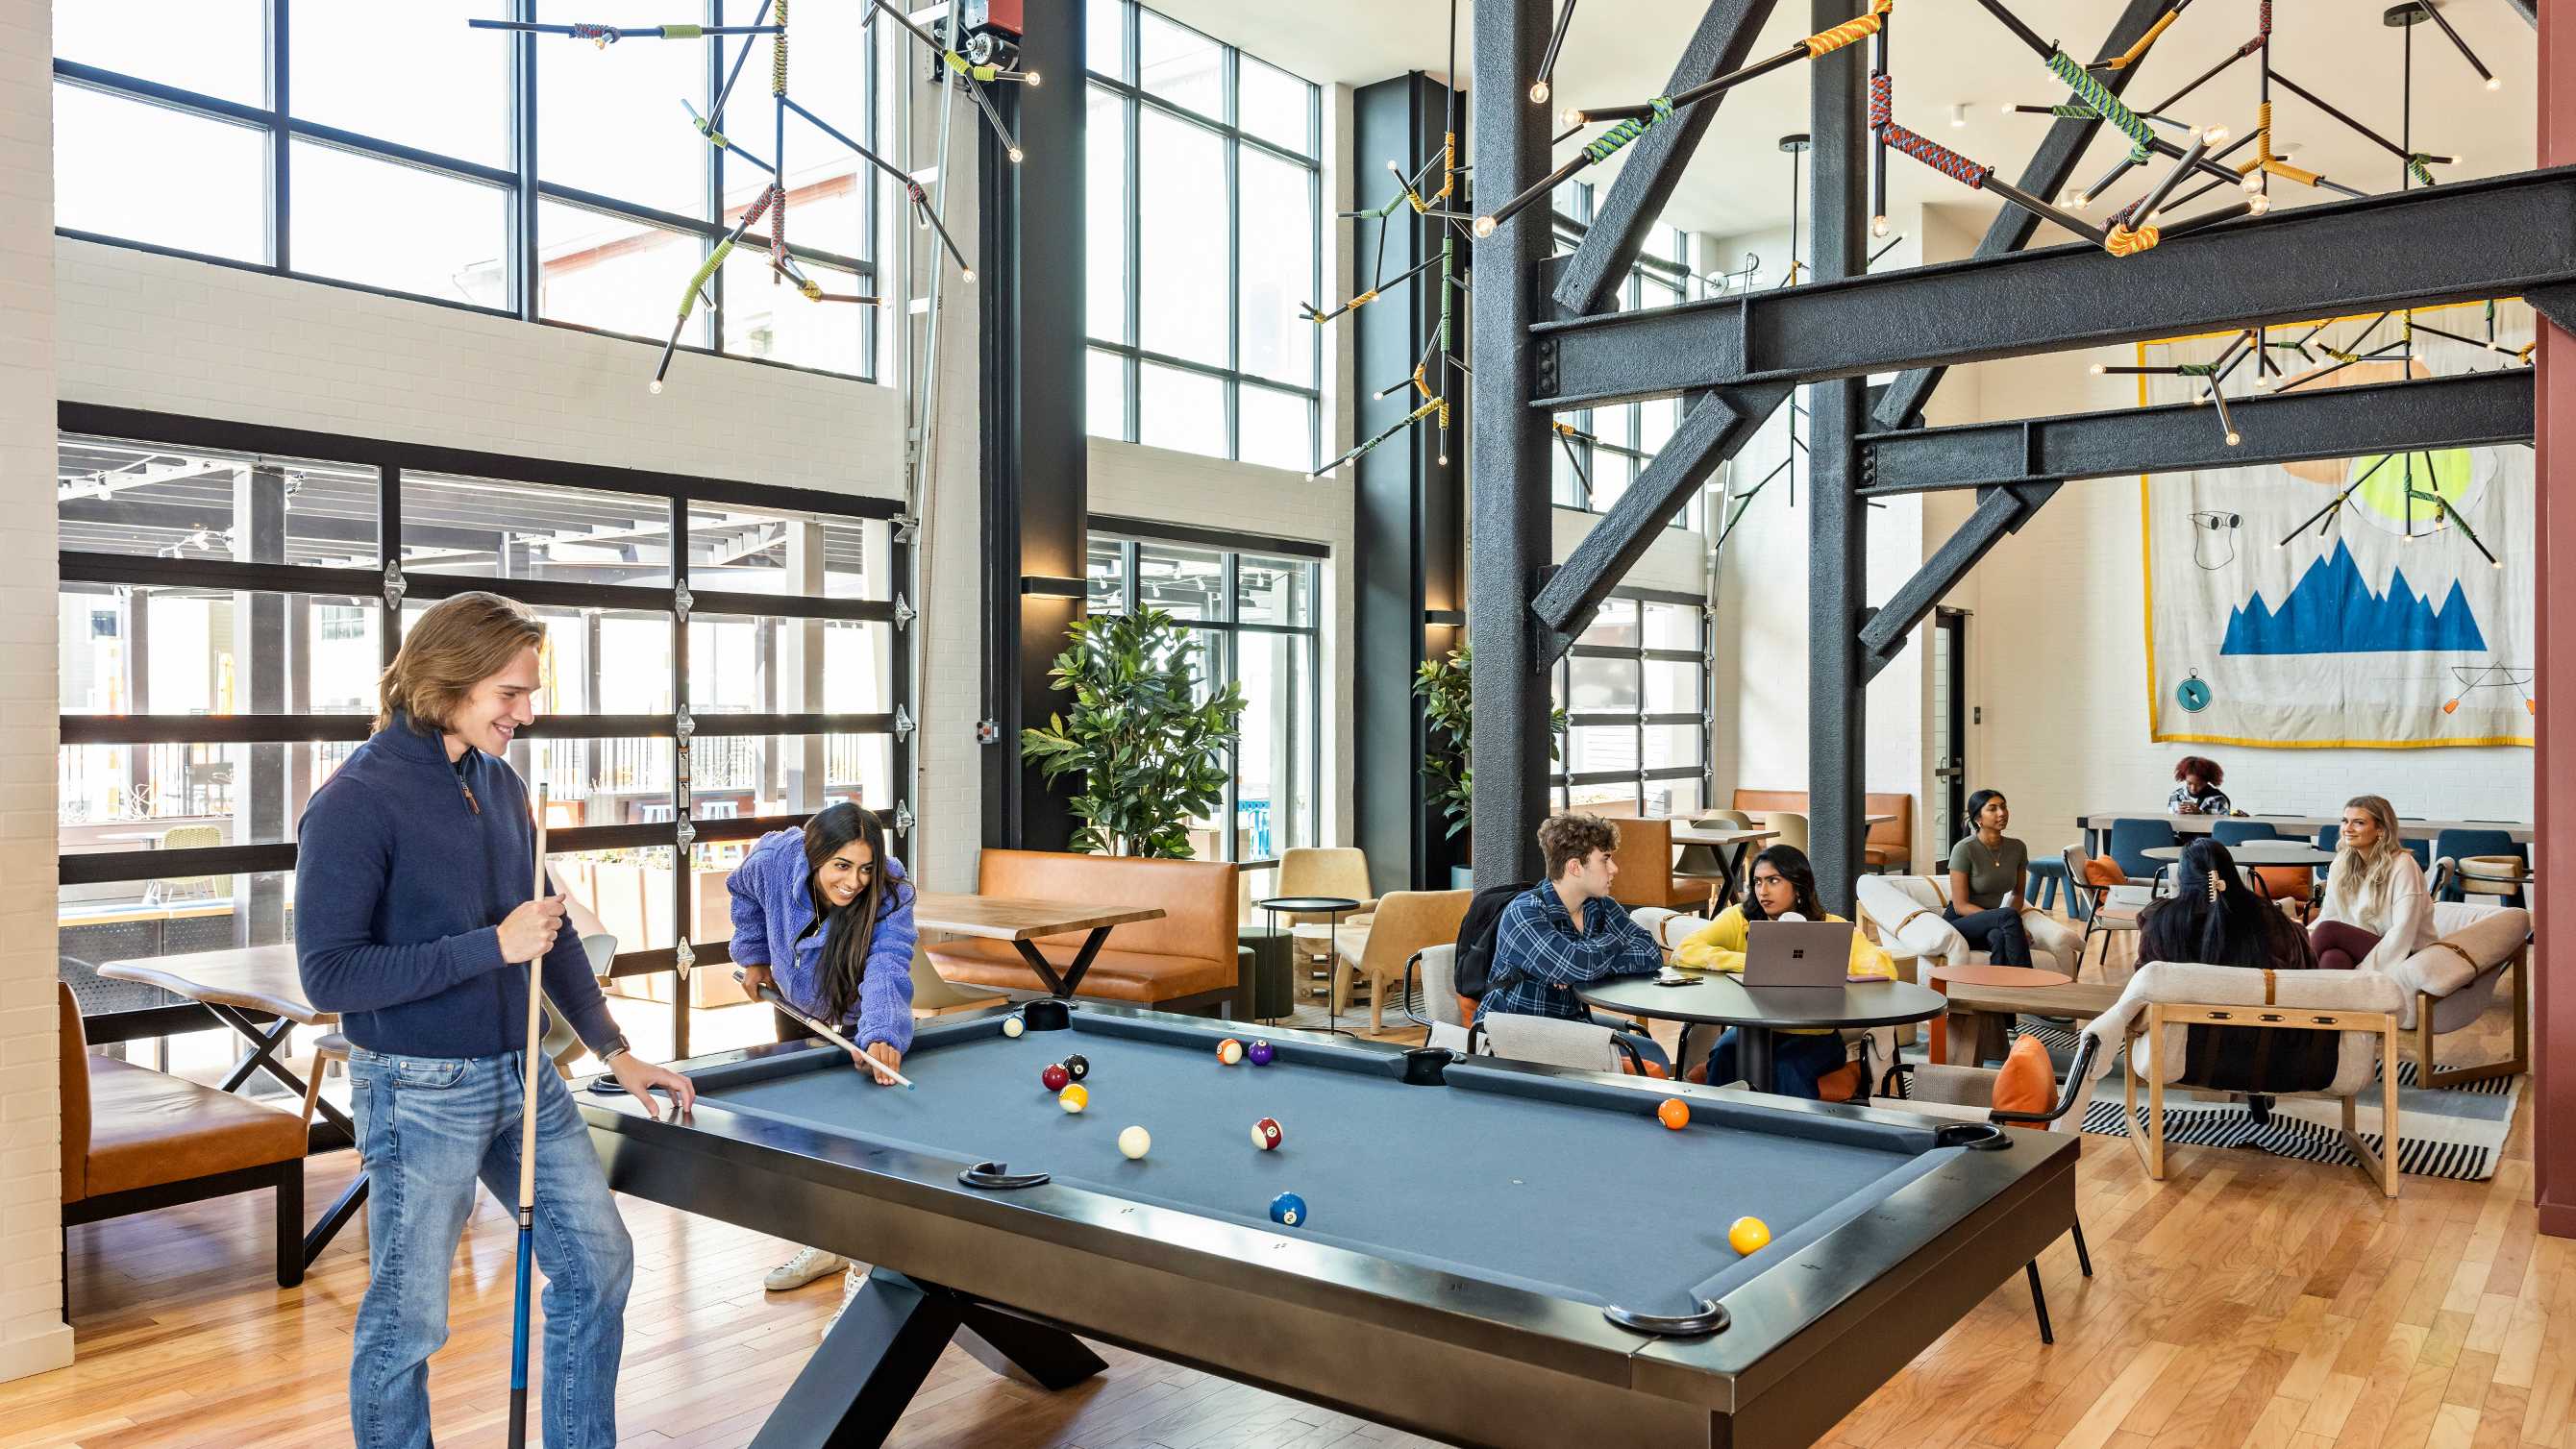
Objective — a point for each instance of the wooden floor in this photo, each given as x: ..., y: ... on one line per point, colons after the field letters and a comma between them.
x: 2245, y: 1301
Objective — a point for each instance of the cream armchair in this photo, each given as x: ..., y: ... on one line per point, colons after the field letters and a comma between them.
x: 1906, y: 909
x: 1376, y: 951
x: 2449, y: 984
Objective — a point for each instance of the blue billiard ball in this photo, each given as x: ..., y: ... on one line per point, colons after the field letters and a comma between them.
x: 1259, y: 1053
x: 1288, y: 1210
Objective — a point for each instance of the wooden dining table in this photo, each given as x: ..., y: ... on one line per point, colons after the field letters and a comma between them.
x: 1024, y: 923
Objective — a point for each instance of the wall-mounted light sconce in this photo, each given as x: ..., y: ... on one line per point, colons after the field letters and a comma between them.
x: 1051, y: 586
x: 1444, y: 618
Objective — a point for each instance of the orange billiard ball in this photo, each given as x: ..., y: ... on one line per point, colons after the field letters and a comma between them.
x: 1674, y: 1113
x: 1229, y: 1051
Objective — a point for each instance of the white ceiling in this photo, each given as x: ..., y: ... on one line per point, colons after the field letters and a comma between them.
x: 1951, y: 52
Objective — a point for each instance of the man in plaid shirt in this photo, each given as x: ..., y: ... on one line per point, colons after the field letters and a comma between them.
x: 1566, y: 931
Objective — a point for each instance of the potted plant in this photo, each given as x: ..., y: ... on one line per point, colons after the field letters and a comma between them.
x: 1149, y: 742
x: 1444, y: 687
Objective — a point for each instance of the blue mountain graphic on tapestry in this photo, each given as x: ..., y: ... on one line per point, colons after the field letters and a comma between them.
x: 2333, y: 610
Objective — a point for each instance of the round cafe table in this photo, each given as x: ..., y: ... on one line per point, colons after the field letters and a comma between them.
x: 1716, y: 998
x: 2256, y: 852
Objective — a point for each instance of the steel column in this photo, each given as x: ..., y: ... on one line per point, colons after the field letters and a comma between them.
x: 1837, y: 527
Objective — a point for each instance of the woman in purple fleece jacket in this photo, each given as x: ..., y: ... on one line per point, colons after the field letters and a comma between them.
x: 824, y: 915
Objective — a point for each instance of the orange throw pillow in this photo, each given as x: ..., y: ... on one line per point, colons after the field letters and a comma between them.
x: 2027, y: 1083
x: 2101, y: 870
x: 1842, y: 1084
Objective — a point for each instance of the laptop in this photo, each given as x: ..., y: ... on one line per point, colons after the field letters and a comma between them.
x: 1797, y: 953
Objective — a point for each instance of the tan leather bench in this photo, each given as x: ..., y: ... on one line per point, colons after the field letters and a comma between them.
x: 1646, y: 878
x: 1887, y: 847
x: 1185, y: 961
x: 135, y: 1139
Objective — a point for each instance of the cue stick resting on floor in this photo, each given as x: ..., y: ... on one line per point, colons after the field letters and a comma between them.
x: 771, y: 995
x: 528, y: 1161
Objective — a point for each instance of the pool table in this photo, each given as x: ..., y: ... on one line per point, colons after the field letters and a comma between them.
x: 1493, y: 1253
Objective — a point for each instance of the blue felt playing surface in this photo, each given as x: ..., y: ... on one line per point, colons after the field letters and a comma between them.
x: 1588, y: 1197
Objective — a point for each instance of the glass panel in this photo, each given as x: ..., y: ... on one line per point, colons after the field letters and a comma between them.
x: 606, y: 119
x: 1604, y: 684
x: 1653, y: 290
x: 1671, y: 745
x: 1186, y: 583
x: 765, y: 315
x: 453, y: 244
x: 738, y: 777
x: 631, y: 892
x: 1615, y: 624
x: 1673, y: 626
x: 1616, y: 792
x: 1668, y: 242
x: 1611, y: 475
x: 1655, y: 422
x: 1183, y: 410
x: 1683, y: 797
x: 1278, y: 266
x: 449, y: 94
x: 1211, y: 663
x: 1105, y: 37
x: 507, y: 529
x: 1274, y: 590
x: 142, y: 920
x: 614, y: 274
x: 764, y: 665
x: 1105, y: 571
x: 1274, y: 105
x: 139, y: 650
x: 1104, y: 381
x: 1181, y: 239
x: 133, y: 797
x: 158, y: 176
x: 1570, y: 482
x: 1105, y: 217
x: 1672, y: 687
x: 623, y: 781
x: 1616, y: 427
x: 1180, y: 65
x: 801, y: 555
x: 1276, y: 428
x: 218, y: 47
x: 144, y: 498
x: 1591, y: 749
x: 1275, y: 789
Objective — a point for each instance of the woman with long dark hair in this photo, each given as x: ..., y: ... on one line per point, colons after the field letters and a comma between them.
x: 1987, y: 871
x: 1784, y: 888
x: 824, y: 915
x: 2214, y: 918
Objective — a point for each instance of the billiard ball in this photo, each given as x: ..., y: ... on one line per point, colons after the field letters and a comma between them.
x: 1054, y: 1077
x: 1674, y: 1113
x: 1748, y: 1235
x: 1259, y: 1053
x: 1012, y: 1026
x: 1073, y: 1098
x: 1266, y: 1134
x: 1288, y: 1209
x: 1229, y: 1051
x: 1134, y: 1141
x: 1077, y: 1067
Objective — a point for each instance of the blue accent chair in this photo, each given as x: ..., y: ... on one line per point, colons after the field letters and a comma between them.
x: 2132, y: 838
x: 2459, y: 845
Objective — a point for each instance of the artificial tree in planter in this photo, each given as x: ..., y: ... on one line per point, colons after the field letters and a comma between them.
x: 1150, y: 750
x: 1443, y: 686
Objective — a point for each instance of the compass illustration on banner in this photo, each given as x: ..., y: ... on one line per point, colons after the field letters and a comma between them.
x: 2193, y: 693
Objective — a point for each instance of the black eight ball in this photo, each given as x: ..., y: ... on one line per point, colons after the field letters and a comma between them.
x: 1077, y: 1067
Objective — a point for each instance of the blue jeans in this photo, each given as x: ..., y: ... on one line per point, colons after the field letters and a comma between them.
x: 428, y: 1129
x: 1796, y: 1062
x: 1998, y: 932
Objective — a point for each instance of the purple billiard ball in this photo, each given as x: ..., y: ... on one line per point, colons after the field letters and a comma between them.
x: 1260, y: 1053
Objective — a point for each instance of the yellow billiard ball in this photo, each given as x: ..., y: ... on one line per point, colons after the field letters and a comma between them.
x: 1748, y: 1236
x: 1074, y: 1098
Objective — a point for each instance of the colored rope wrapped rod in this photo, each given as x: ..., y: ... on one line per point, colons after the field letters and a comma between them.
x: 1822, y: 43
x: 1969, y: 173
x: 2096, y: 97
x: 1599, y: 148
x: 1355, y: 454
x: 698, y: 280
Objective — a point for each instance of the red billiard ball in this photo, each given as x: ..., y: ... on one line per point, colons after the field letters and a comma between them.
x: 1054, y: 1077
x: 1266, y: 1134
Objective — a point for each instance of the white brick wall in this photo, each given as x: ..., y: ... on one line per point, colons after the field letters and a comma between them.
x: 33, y: 1337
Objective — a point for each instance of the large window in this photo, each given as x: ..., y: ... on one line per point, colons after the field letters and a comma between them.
x: 1205, y: 194
x: 1635, y: 693
x: 539, y: 177
x: 1616, y: 443
x: 1254, y: 605
x: 721, y: 660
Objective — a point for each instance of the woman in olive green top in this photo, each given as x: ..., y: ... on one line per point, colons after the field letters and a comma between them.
x: 1986, y: 873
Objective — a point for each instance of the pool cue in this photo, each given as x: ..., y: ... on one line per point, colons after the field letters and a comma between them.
x: 772, y: 995
x: 528, y: 1165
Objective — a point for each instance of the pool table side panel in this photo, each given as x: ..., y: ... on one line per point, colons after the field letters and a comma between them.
x: 1714, y: 1106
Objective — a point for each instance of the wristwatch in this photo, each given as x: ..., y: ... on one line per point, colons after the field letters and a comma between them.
x: 607, y: 1051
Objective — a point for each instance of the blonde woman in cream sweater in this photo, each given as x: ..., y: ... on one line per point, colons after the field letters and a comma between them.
x: 2377, y: 910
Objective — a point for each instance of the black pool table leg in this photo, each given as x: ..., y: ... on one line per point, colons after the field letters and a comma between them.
x: 2039, y: 1301
x: 863, y: 1376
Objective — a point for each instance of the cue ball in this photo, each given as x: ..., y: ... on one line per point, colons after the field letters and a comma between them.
x: 1229, y: 1051
x: 1054, y: 1076
x: 1288, y: 1210
x: 1134, y: 1141
x: 1077, y: 1067
x: 1012, y: 1026
x: 1073, y: 1098
x: 1748, y: 1235
x: 1674, y: 1113
x: 1266, y: 1134
x: 1260, y: 1053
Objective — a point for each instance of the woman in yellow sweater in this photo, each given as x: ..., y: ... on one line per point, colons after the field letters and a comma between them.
x: 1784, y: 887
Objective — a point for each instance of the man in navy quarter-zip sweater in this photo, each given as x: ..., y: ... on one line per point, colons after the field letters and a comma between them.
x: 413, y: 923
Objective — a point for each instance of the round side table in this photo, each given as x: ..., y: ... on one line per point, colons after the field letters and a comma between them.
x: 1332, y: 908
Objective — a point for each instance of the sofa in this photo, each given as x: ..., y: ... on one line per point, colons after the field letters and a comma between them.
x: 1889, y: 845
x: 1184, y: 961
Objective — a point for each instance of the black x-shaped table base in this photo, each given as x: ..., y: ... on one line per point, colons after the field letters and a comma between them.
x: 1066, y: 984
x: 335, y: 1131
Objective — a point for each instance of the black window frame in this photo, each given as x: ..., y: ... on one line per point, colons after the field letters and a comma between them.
x: 1561, y: 780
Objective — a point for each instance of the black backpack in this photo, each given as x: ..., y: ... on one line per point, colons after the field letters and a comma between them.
x: 1475, y: 959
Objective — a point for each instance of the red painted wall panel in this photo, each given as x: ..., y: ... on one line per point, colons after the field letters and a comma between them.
x: 2554, y: 760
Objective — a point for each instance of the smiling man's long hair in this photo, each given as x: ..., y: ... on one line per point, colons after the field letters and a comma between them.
x: 455, y: 646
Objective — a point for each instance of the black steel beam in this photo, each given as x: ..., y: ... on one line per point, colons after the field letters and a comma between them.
x: 1508, y: 442
x: 2051, y: 167
x: 1837, y: 519
x: 2464, y: 242
x: 1590, y: 280
x: 2473, y: 410
x: 1999, y: 512
x: 2529, y: 10
x: 1715, y: 429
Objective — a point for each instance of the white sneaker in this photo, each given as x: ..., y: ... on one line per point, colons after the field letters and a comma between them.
x: 808, y: 1265
x: 851, y: 1283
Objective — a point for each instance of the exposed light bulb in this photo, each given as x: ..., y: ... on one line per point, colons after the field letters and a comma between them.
x: 2495, y: 563
x: 2077, y: 201
x: 1311, y: 477
x: 1444, y: 460
x: 1572, y: 117
x: 2258, y: 203
x: 1959, y: 114
x: 2099, y: 369
x: 2008, y: 108
x: 1878, y: 226
x: 656, y: 387
x: 1484, y: 226
x: 1036, y: 79
x: 2494, y: 84
x: 968, y: 274
x: 2234, y: 438
x: 1538, y: 92
x: 2214, y: 135
x: 1018, y: 155
x: 2252, y: 180
x: 1392, y: 168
